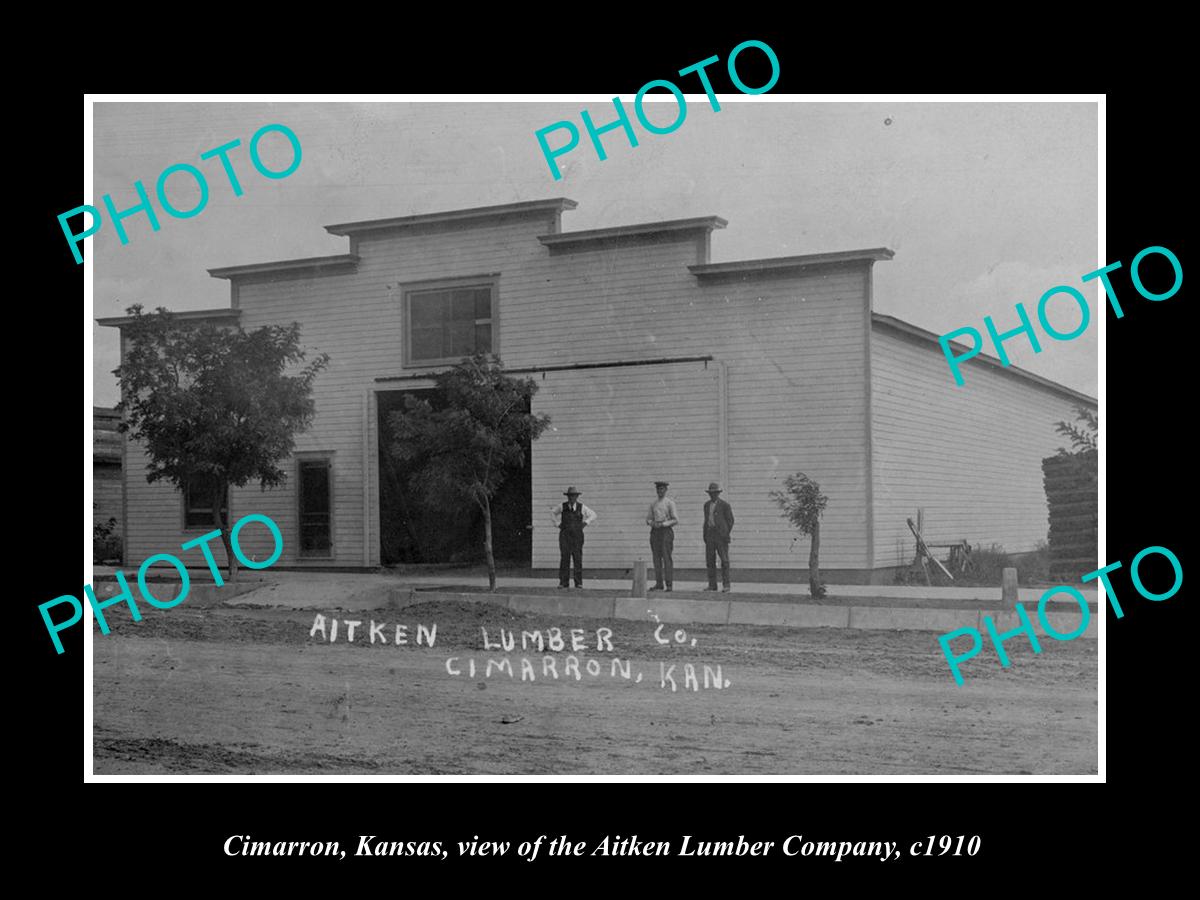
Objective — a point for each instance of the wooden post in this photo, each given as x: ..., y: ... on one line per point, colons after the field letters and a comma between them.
x: 1008, y: 587
x: 639, y: 578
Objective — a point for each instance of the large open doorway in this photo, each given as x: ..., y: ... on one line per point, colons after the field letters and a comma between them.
x: 414, y: 532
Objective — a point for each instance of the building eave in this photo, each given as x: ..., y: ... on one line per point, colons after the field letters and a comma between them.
x: 780, y: 265
x: 191, y: 315
x: 920, y: 334
x: 682, y: 228
x: 285, y: 265
x: 478, y: 214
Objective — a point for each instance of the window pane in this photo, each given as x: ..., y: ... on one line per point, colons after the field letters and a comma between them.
x: 483, y: 303
x: 428, y: 309
x: 427, y: 343
x: 461, y: 338
x: 197, y: 511
x: 315, y: 537
x: 462, y: 306
x: 314, y: 487
x: 483, y: 338
x: 198, y: 495
x: 442, y: 324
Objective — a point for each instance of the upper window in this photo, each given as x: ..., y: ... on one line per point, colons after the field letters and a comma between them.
x: 197, y: 504
x: 448, y: 323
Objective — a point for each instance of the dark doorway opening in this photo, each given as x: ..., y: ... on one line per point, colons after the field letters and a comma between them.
x: 412, y: 531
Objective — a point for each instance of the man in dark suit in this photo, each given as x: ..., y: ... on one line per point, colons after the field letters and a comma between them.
x: 718, y: 523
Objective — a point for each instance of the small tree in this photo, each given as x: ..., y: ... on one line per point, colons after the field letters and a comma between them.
x: 467, y: 449
x: 802, y: 503
x: 212, y: 403
x: 1082, y: 439
x: 1071, y: 479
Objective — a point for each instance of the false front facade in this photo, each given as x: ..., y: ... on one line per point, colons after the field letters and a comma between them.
x: 653, y: 363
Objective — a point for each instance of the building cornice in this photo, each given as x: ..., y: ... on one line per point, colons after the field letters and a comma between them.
x: 780, y: 265
x: 286, y: 265
x: 476, y: 214
x: 682, y: 229
x: 190, y: 315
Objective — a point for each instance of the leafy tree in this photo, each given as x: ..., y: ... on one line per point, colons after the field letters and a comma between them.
x: 464, y: 451
x: 803, y: 503
x: 213, y: 403
x: 1082, y: 438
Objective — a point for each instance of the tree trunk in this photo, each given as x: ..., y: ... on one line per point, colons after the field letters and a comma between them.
x: 487, y: 543
x: 814, y: 570
x: 223, y: 527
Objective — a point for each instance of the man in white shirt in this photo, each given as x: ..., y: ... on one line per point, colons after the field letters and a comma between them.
x: 571, y: 518
x: 662, y: 519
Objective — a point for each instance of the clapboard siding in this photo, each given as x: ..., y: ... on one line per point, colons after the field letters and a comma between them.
x: 355, y: 316
x: 612, y: 437
x: 106, y: 467
x: 155, y: 522
x: 106, y: 494
x: 970, y: 455
x: 793, y: 354
x: 788, y: 355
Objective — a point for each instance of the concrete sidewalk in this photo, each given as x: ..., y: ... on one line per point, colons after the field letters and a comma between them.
x: 773, y: 589
x: 306, y: 582
x: 769, y: 604
x: 511, y: 584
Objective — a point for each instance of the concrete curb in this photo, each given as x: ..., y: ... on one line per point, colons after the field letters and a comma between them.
x: 725, y: 612
x: 204, y: 596
x: 1063, y: 623
x: 706, y: 612
x: 789, y: 615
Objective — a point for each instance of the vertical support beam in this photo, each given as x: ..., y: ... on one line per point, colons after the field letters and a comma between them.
x: 723, y: 421
x: 124, y: 480
x: 535, y: 520
x: 869, y: 465
x: 366, y: 476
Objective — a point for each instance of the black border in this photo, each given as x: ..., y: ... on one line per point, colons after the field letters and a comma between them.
x: 1145, y: 435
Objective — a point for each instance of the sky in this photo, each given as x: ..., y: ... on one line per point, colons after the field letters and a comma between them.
x: 985, y: 204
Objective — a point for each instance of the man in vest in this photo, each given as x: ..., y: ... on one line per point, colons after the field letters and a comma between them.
x: 571, y: 518
x: 718, y: 523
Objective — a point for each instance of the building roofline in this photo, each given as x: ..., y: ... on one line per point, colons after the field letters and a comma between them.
x: 556, y: 205
x: 915, y: 331
x: 191, y: 315
x: 572, y: 238
x: 780, y: 264
x: 285, y: 265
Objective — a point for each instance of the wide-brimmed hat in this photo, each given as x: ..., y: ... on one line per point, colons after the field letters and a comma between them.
x: 714, y: 488
x: 569, y: 491
x: 662, y: 484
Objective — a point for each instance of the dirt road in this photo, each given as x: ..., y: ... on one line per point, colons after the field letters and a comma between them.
x: 193, y: 691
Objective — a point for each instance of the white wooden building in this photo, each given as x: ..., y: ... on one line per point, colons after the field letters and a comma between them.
x: 653, y: 363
